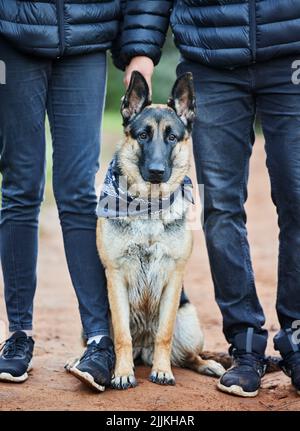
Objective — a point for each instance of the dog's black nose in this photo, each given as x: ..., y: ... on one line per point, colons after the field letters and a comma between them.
x: 156, y: 169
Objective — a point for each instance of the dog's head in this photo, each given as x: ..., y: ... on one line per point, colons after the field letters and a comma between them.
x: 155, y: 149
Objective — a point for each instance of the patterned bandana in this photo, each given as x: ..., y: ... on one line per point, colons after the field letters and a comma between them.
x: 117, y: 202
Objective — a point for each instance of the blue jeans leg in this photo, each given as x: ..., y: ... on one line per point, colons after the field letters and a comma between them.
x: 279, y: 108
x: 22, y: 165
x: 73, y: 91
x: 222, y: 140
x: 75, y: 106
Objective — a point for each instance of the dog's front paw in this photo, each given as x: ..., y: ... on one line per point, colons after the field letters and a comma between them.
x: 125, y: 381
x: 162, y: 377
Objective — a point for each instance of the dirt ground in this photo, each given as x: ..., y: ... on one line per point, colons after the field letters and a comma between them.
x: 57, y: 327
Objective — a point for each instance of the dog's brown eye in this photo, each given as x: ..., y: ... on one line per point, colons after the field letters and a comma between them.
x: 172, y: 138
x: 143, y: 136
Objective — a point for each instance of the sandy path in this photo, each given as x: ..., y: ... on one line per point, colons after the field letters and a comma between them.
x: 57, y: 328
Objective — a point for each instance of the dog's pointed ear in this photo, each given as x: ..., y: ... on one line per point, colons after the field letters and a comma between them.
x: 136, y: 98
x: 182, y: 99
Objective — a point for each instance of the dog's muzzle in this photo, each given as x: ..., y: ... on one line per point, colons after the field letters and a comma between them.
x: 156, y: 173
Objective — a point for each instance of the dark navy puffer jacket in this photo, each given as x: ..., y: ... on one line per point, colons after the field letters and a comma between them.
x: 220, y: 33
x: 54, y: 28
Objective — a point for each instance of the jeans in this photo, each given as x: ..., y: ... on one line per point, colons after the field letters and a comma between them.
x: 227, y: 104
x: 72, y: 91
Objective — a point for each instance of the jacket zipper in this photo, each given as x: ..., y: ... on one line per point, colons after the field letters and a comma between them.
x: 252, y: 6
x: 61, y: 25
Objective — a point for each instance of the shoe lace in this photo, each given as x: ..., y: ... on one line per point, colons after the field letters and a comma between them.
x: 252, y: 359
x: 96, y: 351
x: 14, y: 347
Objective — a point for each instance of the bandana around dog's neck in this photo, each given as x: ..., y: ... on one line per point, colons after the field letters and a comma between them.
x: 116, y: 201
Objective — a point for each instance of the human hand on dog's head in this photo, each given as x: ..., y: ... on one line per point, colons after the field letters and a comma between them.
x: 142, y: 64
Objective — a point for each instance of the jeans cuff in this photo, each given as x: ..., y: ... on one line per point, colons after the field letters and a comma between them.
x: 20, y: 327
x: 90, y: 334
x: 287, y: 341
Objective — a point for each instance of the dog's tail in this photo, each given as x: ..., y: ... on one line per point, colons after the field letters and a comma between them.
x: 225, y: 360
x: 83, y: 338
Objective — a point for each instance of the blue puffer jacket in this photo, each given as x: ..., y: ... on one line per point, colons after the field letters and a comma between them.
x: 219, y: 33
x: 54, y: 28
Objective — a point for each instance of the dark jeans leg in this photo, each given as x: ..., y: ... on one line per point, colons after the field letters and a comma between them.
x: 223, y: 138
x: 75, y: 107
x: 278, y: 103
x: 22, y: 165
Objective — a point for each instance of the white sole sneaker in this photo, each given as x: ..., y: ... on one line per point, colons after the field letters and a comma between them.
x: 236, y: 390
x: 7, y: 377
x: 86, y: 378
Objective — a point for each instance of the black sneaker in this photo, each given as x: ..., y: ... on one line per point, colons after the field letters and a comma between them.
x: 291, y: 367
x: 96, y: 365
x: 249, y: 365
x: 290, y: 353
x: 15, y: 358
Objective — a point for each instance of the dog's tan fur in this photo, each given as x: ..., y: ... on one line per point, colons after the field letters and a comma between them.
x: 145, y: 261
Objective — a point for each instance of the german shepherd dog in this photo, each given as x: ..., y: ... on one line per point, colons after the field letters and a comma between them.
x: 145, y: 258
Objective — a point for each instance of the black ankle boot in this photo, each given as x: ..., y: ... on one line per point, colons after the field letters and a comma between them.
x: 249, y: 365
x: 290, y: 352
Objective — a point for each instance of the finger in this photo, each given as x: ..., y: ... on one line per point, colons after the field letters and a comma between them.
x: 125, y: 81
x: 149, y: 82
x: 127, y: 78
